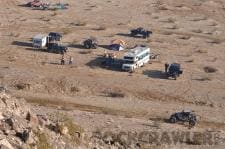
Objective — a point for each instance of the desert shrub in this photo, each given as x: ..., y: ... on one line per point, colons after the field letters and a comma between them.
x: 21, y: 86
x: 66, y: 31
x: 86, y: 52
x: 101, y: 28
x: 197, y: 30
x: 171, y: 20
x: 190, y: 61
x: 214, y: 41
x: 184, y: 37
x: 167, y: 33
x: 201, y: 51
x: 209, y: 69
x: 74, y: 89
x: 54, y: 14
x: 79, y: 23
x: 114, y: 94
x: 204, y: 79
x: 42, y: 142
x: 74, y: 130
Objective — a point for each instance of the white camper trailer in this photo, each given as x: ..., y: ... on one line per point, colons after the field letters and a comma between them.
x: 137, y: 57
x: 40, y: 41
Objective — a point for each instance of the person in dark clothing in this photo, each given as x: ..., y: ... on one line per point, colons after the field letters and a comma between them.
x: 62, y: 61
x: 166, y: 67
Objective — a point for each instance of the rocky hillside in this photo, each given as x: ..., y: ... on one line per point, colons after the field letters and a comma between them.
x: 21, y: 128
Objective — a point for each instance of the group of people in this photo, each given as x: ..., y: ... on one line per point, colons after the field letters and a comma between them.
x: 63, y: 60
x: 109, y: 55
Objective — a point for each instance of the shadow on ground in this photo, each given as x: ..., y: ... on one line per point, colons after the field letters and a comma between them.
x: 77, y: 46
x: 155, y: 74
x: 104, y: 46
x: 128, y: 35
x: 100, y: 62
x: 22, y: 43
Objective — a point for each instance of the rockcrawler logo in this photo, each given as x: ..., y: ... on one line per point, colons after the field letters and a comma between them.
x: 160, y: 138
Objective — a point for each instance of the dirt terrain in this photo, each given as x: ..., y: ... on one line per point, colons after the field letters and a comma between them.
x: 191, y: 33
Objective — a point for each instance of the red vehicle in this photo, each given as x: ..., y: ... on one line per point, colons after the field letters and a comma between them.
x: 36, y: 3
x: 33, y: 3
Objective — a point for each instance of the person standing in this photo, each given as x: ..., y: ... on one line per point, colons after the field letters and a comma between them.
x: 62, y: 61
x: 166, y: 67
x: 71, y: 60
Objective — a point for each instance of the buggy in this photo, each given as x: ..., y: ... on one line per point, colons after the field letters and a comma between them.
x: 174, y: 70
x: 140, y: 31
x: 91, y: 43
x: 184, y: 116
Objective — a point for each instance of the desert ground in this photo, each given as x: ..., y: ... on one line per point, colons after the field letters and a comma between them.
x: 191, y: 33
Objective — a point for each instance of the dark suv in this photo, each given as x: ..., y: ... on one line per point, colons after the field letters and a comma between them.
x: 140, y: 31
x: 174, y: 70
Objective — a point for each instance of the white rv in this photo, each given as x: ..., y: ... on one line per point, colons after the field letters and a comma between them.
x: 40, y: 41
x: 137, y: 57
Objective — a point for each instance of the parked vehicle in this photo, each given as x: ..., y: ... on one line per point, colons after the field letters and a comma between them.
x: 33, y: 3
x: 91, y: 43
x: 40, y: 41
x: 184, y: 116
x: 50, y: 43
x: 37, y: 4
x: 56, y: 48
x: 174, y: 70
x: 140, y: 31
x: 137, y: 57
x: 53, y: 36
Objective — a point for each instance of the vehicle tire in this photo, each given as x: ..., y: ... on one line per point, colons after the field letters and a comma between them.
x: 192, y: 123
x: 175, y: 77
x: 95, y: 46
x: 173, y: 120
x: 86, y: 46
x: 132, y: 34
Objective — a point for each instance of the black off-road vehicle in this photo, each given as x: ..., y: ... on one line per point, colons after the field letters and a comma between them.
x: 174, y: 70
x: 184, y: 116
x: 91, y: 43
x: 140, y: 31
